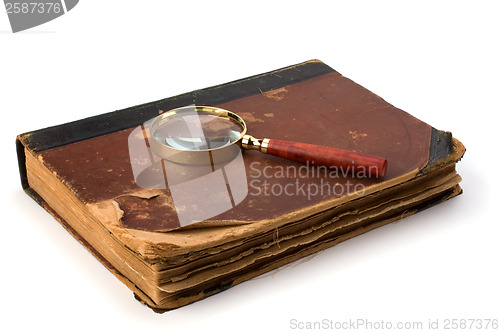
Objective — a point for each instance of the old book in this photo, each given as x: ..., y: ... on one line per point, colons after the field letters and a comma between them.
x: 83, y: 174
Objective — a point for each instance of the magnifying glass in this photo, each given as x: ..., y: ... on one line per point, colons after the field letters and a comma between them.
x: 204, y: 134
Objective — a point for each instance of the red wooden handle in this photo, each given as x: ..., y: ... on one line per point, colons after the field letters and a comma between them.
x: 348, y: 162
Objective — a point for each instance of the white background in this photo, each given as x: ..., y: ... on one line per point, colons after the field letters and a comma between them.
x: 438, y: 60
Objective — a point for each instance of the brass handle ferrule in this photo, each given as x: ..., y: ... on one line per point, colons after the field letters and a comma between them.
x: 249, y: 142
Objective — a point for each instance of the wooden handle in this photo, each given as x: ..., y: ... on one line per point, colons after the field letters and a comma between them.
x: 348, y: 162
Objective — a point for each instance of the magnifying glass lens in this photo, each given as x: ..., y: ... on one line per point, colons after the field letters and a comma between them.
x: 198, y: 131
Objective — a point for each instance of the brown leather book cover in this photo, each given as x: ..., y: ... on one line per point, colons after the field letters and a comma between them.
x: 283, y: 201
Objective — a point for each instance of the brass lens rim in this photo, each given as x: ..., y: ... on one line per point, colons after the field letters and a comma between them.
x: 195, y: 156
